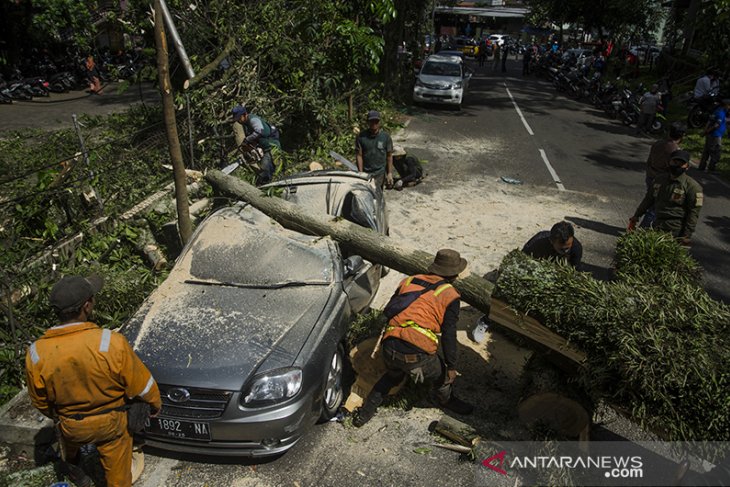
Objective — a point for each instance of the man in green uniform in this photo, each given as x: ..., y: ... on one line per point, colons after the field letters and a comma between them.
x: 677, y: 200
x: 374, y: 150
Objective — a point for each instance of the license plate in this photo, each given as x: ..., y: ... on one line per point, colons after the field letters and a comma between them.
x: 176, y: 428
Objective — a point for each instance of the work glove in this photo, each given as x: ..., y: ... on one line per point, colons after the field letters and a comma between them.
x: 632, y: 224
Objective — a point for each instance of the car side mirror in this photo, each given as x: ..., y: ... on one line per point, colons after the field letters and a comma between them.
x: 352, y: 264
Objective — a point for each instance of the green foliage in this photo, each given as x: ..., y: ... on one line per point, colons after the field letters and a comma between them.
x: 713, y: 32
x: 634, y: 18
x: 365, y: 326
x: 657, y: 348
x: 55, y: 20
x: 651, y: 255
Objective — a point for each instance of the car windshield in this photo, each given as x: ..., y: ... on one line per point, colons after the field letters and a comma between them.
x: 232, y: 250
x: 436, y: 68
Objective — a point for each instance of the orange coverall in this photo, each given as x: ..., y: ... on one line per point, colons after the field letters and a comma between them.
x: 79, y: 368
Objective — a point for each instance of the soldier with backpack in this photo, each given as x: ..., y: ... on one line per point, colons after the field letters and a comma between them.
x: 424, y: 308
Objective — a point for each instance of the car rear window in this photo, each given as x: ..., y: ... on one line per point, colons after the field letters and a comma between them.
x: 436, y: 68
x: 232, y: 249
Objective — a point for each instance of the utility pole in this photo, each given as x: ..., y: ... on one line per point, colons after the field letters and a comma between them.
x: 185, y: 227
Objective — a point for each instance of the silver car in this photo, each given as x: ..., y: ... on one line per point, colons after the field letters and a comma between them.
x: 442, y: 79
x: 246, y: 335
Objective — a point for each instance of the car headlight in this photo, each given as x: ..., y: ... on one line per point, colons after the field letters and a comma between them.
x: 273, y: 386
x: 458, y: 85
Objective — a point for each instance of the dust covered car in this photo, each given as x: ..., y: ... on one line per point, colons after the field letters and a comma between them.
x: 245, y: 337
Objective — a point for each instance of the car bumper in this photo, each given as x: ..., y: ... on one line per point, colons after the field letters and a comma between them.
x: 427, y: 95
x: 247, y: 433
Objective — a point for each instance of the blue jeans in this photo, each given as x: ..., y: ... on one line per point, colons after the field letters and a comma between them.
x: 267, y: 169
x: 650, y: 215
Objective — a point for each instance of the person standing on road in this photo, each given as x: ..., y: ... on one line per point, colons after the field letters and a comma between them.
x: 677, y: 199
x: 93, y: 76
x: 258, y: 133
x: 497, y: 53
x: 649, y: 103
x: 411, y: 339
x: 526, y: 59
x: 374, y: 151
x: 82, y: 377
x: 482, y: 57
x: 505, y: 52
x: 714, y: 131
x: 658, y: 163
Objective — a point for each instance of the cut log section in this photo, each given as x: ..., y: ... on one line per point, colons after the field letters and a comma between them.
x: 549, y: 399
x: 456, y: 431
x: 369, y: 371
x: 147, y: 246
x: 389, y: 252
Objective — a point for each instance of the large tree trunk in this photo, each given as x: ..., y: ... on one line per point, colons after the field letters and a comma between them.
x: 549, y: 398
x: 385, y: 250
x: 173, y: 141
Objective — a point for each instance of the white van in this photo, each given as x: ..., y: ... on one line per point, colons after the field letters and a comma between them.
x: 442, y: 79
x: 499, y: 39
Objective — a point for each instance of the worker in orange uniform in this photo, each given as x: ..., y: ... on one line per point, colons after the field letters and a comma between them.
x: 82, y: 377
x: 423, y: 308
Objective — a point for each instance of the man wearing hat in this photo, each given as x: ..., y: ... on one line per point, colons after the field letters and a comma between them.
x: 714, y: 131
x: 676, y: 198
x: 82, y: 376
x: 411, y: 338
x: 374, y: 150
x: 409, y: 168
x: 258, y: 133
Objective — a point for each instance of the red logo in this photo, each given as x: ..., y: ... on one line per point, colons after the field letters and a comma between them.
x: 497, y: 468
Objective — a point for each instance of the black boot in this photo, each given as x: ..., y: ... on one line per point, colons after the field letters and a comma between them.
x: 366, y: 412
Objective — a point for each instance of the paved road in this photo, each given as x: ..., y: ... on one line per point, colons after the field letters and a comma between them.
x: 546, y: 139
x: 55, y: 111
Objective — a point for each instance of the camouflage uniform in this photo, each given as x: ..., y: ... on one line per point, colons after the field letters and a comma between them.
x: 677, y: 203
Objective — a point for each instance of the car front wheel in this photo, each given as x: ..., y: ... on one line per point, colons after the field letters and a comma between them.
x: 333, y: 389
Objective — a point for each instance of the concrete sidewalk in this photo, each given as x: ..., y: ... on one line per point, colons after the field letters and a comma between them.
x: 55, y: 111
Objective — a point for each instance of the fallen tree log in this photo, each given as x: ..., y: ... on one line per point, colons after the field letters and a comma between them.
x: 385, y: 250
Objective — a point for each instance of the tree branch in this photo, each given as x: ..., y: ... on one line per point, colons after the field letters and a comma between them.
x: 210, y: 67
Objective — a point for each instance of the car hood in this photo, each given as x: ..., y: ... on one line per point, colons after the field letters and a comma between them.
x: 213, y: 336
x: 439, y: 81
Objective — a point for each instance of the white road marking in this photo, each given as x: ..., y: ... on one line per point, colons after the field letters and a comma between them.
x: 558, y: 183
x: 519, y: 112
x: 554, y: 175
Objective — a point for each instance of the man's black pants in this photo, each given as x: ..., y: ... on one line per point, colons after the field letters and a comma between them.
x: 420, y: 367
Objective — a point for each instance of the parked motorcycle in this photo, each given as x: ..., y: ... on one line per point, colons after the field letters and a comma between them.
x: 701, y: 109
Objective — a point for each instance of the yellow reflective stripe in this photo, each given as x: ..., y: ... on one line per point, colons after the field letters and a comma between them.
x: 442, y: 288
x: 414, y: 325
x: 408, y: 281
